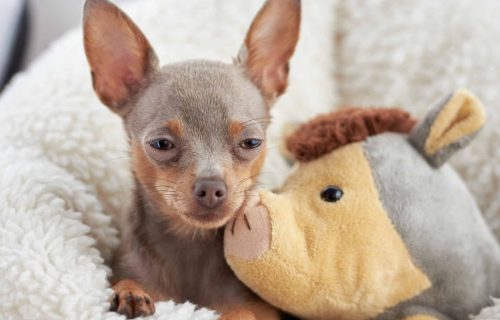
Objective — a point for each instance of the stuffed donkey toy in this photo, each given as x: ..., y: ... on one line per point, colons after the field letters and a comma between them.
x: 372, y: 224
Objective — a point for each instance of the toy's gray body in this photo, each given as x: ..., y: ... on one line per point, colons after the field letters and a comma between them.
x: 442, y: 228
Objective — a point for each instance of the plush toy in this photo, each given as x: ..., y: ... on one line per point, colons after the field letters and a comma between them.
x: 372, y: 224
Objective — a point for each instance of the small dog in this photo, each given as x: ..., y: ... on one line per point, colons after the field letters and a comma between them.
x: 197, y: 137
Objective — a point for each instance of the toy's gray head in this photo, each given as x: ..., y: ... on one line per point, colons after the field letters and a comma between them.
x: 409, y: 171
x: 197, y: 128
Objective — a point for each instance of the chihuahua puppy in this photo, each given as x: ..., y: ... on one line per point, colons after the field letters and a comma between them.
x: 197, y: 138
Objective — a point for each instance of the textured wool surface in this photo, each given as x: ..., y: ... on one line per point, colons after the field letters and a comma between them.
x: 64, y: 161
x: 64, y: 175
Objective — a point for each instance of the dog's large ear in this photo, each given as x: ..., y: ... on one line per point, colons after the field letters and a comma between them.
x: 269, y: 45
x: 120, y: 57
x: 449, y: 127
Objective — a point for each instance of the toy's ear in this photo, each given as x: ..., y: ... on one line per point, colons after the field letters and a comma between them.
x: 449, y: 127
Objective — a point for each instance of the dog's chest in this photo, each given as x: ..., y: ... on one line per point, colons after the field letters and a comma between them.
x: 196, y: 271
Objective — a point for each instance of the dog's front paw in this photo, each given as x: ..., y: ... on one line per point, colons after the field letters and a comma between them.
x: 131, y: 300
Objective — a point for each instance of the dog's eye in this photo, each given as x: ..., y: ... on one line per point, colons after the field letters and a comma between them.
x: 331, y: 194
x: 251, y: 143
x: 162, y: 144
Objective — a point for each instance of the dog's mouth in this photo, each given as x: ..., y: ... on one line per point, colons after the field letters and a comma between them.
x: 210, y: 219
x: 215, y: 218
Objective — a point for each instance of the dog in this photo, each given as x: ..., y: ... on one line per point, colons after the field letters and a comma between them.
x: 197, y: 139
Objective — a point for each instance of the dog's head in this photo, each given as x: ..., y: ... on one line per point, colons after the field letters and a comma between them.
x: 197, y: 128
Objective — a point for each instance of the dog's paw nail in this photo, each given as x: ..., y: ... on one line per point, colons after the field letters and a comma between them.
x: 114, y: 303
x: 129, y: 298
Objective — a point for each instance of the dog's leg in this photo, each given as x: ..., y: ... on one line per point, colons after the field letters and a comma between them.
x: 131, y: 300
x: 255, y: 310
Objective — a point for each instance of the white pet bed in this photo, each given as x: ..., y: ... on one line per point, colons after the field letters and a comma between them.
x: 64, y: 175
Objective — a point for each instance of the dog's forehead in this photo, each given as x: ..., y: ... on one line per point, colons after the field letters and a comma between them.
x: 205, y: 96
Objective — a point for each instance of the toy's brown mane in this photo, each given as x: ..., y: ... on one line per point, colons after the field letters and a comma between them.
x: 330, y: 131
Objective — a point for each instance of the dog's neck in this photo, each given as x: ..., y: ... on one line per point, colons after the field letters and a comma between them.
x: 189, y: 266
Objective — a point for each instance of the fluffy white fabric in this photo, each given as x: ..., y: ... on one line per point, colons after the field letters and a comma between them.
x: 65, y: 179
x: 64, y: 160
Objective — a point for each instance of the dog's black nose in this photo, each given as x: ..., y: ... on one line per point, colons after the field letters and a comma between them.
x: 210, y: 192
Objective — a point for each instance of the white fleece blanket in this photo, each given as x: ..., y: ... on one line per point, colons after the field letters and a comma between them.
x: 64, y: 175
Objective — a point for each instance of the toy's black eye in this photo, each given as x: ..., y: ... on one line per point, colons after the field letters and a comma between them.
x: 251, y: 143
x: 331, y: 194
x: 162, y: 144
